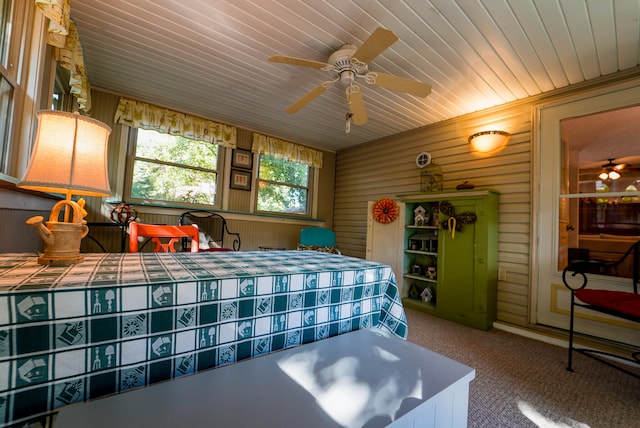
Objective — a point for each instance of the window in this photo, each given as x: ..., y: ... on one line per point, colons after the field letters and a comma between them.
x: 283, y: 186
x: 599, y: 200
x: 61, y: 98
x: 8, y: 79
x: 173, y: 169
x: 6, y: 6
x: 6, y: 101
x: 23, y: 80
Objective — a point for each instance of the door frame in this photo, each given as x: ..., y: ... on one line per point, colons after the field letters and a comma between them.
x: 546, y: 150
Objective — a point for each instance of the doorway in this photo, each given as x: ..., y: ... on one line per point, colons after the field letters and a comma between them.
x: 578, y: 211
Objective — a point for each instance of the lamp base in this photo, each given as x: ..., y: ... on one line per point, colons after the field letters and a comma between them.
x: 61, y: 239
x: 49, y: 260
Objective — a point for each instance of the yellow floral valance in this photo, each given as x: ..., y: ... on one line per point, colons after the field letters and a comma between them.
x: 70, y: 57
x: 58, y: 12
x: 63, y: 35
x: 147, y: 116
x: 281, y: 149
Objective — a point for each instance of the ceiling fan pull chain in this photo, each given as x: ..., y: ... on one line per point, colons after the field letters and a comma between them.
x: 348, y: 124
x: 349, y: 90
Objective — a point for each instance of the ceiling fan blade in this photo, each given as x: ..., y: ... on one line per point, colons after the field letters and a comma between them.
x: 297, y: 61
x: 375, y: 44
x: 356, y: 106
x: 389, y: 81
x: 310, y: 96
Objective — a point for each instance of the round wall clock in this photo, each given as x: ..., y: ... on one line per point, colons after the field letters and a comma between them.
x: 423, y: 159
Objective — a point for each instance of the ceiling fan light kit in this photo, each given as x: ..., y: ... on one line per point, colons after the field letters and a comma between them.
x: 350, y: 63
x: 610, y: 171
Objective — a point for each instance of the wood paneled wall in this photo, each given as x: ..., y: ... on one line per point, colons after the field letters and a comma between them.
x: 15, y: 208
x: 386, y: 167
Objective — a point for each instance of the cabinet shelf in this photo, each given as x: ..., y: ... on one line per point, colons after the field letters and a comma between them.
x: 419, y: 304
x: 420, y: 278
x: 411, y: 226
x: 426, y: 253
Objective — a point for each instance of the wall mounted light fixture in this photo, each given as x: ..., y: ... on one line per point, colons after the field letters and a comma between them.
x: 488, y: 141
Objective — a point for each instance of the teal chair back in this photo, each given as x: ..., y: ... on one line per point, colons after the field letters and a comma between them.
x: 318, y: 236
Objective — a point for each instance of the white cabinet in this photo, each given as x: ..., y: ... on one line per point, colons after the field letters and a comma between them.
x: 384, y: 241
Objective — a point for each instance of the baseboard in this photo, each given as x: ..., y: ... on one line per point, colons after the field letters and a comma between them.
x: 531, y: 334
x: 581, y: 342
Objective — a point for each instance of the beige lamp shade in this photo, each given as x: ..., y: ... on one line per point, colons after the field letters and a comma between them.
x: 70, y: 155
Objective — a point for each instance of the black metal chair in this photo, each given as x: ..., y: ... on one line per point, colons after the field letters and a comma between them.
x: 621, y: 304
x: 215, y: 235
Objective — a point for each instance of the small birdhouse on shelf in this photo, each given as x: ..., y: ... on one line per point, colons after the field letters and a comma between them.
x: 419, y: 216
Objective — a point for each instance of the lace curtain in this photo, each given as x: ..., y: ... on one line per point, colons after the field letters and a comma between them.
x: 146, y: 116
x: 281, y: 149
x: 63, y: 35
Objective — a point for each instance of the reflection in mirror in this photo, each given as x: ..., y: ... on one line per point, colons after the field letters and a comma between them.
x: 599, y: 216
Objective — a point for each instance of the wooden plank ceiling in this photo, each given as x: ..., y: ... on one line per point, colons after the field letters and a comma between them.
x: 209, y: 57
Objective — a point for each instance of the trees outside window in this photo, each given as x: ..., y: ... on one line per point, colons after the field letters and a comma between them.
x: 283, y: 186
x: 173, y: 169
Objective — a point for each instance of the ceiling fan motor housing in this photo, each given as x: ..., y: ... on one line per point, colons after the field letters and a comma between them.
x: 342, y: 57
x: 344, y: 68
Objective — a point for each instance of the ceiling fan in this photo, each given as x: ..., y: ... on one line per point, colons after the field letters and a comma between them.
x: 611, y: 171
x: 350, y: 63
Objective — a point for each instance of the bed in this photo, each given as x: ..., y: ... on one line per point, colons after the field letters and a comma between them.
x: 120, y: 321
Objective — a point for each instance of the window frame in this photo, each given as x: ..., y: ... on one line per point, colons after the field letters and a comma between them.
x: 9, y: 73
x: 28, y: 71
x: 128, y: 182
x: 310, y: 187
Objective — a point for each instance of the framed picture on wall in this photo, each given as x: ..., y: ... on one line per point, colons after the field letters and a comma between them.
x: 242, y: 159
x: 240, y: 179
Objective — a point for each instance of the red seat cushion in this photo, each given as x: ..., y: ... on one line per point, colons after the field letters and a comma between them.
x: 621, y: 301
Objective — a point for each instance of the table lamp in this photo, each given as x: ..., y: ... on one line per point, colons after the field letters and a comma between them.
x: 69, y: 157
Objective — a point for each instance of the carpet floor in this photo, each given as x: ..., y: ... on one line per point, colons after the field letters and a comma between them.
x: 522, y: 382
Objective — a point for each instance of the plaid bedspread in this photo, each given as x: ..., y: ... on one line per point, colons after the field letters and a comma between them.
x: 120, y: 321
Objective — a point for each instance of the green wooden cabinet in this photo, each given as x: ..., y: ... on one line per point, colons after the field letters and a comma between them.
x: 450, y: 263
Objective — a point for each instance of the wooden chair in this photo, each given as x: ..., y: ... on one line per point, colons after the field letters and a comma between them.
x: 155, y: 232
